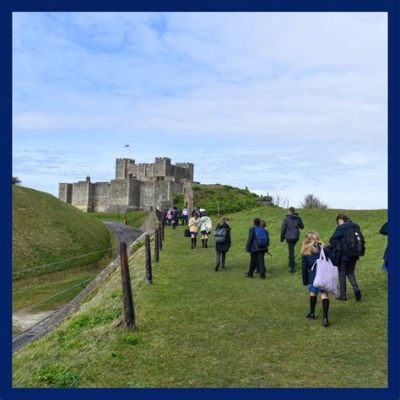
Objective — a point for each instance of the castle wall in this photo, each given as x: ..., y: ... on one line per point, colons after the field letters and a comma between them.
x: 101, y: 196
x: 81, y: 195
x: 119, y: 194
x: 134, y: 194
x: 65, y: 192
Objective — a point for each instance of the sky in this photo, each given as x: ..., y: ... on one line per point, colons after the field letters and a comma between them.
x: 285, y: 104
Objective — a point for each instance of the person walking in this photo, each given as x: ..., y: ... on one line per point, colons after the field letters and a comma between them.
x: 384, y: 231
x: 256, y: 245
x: 290, y: 231
x: 310, y: 252
x: 223, y: 242
x: 345, y: 258
x: 185, y: 216
x: 205, y: 225
x: 193, y: 228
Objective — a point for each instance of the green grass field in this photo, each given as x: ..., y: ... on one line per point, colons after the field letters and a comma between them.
x: 201, y: 328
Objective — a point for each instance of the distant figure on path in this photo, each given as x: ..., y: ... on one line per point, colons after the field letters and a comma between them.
x: 193, y: 228
x: 384, y: 231
x: 343, y: 244
x: 184, y: 216
x: 310, y: 251
x: 205, y: 225
x: 290, y: 231
x: 222, y: 236
x: 257, y: 244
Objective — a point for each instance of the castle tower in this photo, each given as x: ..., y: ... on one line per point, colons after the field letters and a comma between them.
x: 123, y: 167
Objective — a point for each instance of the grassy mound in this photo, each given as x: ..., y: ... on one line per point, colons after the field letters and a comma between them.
x: 47, y: 230
x: 223, y: 198
x: 201, y: 328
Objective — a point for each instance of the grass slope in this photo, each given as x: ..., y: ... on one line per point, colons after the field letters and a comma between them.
x: 201, y: 328
x: 226, y: 199
x: 47, y: 230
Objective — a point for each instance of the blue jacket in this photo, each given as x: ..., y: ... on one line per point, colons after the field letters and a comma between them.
x: 251, y: 246
x: 338, y: 245
x: 307, y: 262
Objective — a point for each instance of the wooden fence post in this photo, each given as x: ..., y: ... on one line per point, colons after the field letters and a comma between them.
x: 129, y: 309
x: 149, y: 275
x: 156, y: 246
x: 160, y: 238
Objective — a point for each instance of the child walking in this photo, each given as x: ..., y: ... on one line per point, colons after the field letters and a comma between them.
x: 310, y: 252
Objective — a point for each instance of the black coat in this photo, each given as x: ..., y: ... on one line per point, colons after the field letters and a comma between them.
x: 384, y: 231
x: 338, y: 243
x: 291, y: 225
x: 224, y: 246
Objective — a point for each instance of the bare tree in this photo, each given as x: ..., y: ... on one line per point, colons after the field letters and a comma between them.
x: 311, y: 201
x: 280, y: 200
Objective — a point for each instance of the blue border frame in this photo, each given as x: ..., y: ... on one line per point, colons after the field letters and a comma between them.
x: 390, y: 6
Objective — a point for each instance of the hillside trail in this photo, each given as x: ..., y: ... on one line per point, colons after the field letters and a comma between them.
x: 29, y: 326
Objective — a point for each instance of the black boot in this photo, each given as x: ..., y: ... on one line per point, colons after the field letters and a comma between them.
x: 202, y: 242
x: 357, y: 293
x: 206, y: 243
x: 192, y: 240
x: 325, y: 310
x: 313, y: 303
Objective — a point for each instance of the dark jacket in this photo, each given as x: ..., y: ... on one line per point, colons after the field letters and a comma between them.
x: 338, y: 244
x: 251, y: 245
x: 224, y: 246
x: 290, y: 229
x: 307, y: 262
x: 384, y: 231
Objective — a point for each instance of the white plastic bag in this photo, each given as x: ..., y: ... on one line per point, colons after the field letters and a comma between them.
x: 326, y: 276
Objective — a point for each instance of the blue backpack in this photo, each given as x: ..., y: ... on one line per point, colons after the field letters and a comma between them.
x: 262, y: 239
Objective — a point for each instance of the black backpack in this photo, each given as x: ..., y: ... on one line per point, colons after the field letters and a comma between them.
x: 220, y: 234
x: 355, y: 241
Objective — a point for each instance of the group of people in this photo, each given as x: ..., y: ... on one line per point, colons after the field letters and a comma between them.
x: 174, y: 215
x: 346, y: 246
x: 199, y: 222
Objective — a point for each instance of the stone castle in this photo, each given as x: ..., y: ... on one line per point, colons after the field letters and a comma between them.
x: 135, y: 187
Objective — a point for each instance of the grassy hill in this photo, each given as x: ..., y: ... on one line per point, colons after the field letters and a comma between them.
x: 47, y: 230
x: 223, y: 198
x: 201, y: 328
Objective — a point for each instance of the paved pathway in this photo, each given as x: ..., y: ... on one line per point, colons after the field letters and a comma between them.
x: 124, y: 233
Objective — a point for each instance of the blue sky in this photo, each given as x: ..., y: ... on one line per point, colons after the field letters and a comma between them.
x: 283, y: 103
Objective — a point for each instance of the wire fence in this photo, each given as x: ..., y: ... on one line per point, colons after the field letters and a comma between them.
x: 38, y: 267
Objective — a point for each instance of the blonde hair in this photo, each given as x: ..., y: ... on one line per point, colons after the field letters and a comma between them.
x: 311, y: 244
